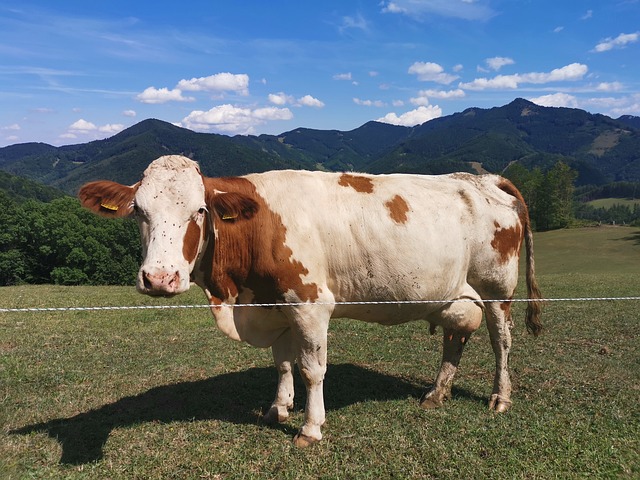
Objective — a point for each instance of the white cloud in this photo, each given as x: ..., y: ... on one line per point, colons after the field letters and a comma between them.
x: 620, y: 41
x: 111, y: 128
x: 458, y: 68
x: 220, y: 82
x: 13, y: 127
x: 422, y: 9
x: 574, y: 71
x: 231, y: 119
x: 431, y: 72
x: 556, y: 100
x: 413, y: 117
x: 12, y: 138
x: 342, y: 76
x: 129, y: 113
x: 609, y: 87
x: 496, y: 63
x: 82, y: 126
x: 369, y: 103
x: 588, y: 14
x: 558, y: 29
x: 162, y: 95
x: 282, y: 98
x: 309, y: 101
x: 443, y: 94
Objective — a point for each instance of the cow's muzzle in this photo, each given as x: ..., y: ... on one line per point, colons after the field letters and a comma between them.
x: 159, y: 283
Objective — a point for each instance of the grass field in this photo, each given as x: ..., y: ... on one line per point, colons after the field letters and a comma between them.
x: 610, y: 202
x: 162, y: 394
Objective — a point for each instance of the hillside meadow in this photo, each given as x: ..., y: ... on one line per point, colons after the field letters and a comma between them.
x: 154, y: 394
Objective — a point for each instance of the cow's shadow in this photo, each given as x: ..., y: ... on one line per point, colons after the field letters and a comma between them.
x: 232, y: 397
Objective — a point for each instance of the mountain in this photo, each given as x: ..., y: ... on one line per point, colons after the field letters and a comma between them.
x: 630, y: 120
x: 601, y: 149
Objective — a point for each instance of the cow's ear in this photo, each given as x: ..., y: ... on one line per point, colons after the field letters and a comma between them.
x: 232, y: 206
x: 109, y: 199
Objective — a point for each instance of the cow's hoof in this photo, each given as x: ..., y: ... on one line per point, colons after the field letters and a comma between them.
x: 431, y: 400
x: 499, y: 404
x: 275, y: 415
x: 303, y: 441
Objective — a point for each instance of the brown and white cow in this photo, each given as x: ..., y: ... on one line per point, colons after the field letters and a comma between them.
x: 315, y: 240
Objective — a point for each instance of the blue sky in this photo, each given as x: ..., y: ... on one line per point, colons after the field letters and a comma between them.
x: 76, y: 71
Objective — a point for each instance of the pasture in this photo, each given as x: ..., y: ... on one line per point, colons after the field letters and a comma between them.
x: 163, y: 394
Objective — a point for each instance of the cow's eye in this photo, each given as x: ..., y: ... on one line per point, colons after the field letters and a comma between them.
x: 202, y: 210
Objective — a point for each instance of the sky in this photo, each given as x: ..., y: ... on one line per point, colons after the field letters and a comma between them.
x: 73, y: 71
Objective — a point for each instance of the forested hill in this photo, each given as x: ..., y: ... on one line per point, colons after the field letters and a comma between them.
x: 599, y: 148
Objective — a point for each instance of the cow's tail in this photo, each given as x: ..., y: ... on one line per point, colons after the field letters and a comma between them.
x: 534, y: 303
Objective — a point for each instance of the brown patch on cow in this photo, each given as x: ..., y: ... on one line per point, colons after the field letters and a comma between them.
x: 507, y: 241
x: 250, y: 250
x: 398, y: 209
x: 357, y: 182
x: 191, y: 241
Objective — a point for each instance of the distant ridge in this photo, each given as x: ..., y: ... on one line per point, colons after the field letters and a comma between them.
x: 600, y: 148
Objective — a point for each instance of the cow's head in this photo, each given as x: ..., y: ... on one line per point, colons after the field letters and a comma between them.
x: 170, y: 207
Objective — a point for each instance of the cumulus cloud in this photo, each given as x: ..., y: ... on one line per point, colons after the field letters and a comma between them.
x: 572, y: 72
x: 84, y: 127
x: 496, y: 63
x: 13, y: 127
x: 413, y: 117
x: 220, y: 82
x: 231, y: 119
x: 129, y: 113
x: 556, y: 100
x: 309, y: 101
x: 111, y: 128
x: 162, y: 95
x: 282, y: 98
x: 431, y: 72
x: 620, y: 41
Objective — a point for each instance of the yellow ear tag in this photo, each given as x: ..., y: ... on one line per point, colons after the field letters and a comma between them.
x: 113, y: 208
x: 227, y: 216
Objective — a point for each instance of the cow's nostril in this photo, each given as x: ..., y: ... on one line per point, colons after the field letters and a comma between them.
x: 146, y: 281
x: 175, y: 279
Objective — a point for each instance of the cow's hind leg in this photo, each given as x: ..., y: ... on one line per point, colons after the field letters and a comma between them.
x: 459, y: 320
x: 284, y: 356
x: 499, y: 324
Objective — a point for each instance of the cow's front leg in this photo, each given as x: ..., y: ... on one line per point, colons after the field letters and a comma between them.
x: 499, y: 324
x: 284, y: 356
x: 312, y: 362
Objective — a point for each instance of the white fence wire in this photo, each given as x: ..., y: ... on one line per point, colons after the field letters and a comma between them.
x: 294, y: 304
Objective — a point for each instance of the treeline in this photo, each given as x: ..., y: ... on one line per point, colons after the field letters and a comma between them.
x: 59, y: 242
x: 554, y: 201
x: 549, y: 195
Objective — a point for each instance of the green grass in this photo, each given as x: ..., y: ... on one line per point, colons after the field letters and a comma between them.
x: 610, y: 202
x: 163, y: 394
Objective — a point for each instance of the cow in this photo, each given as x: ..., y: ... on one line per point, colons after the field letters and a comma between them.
x: 306, y: 246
